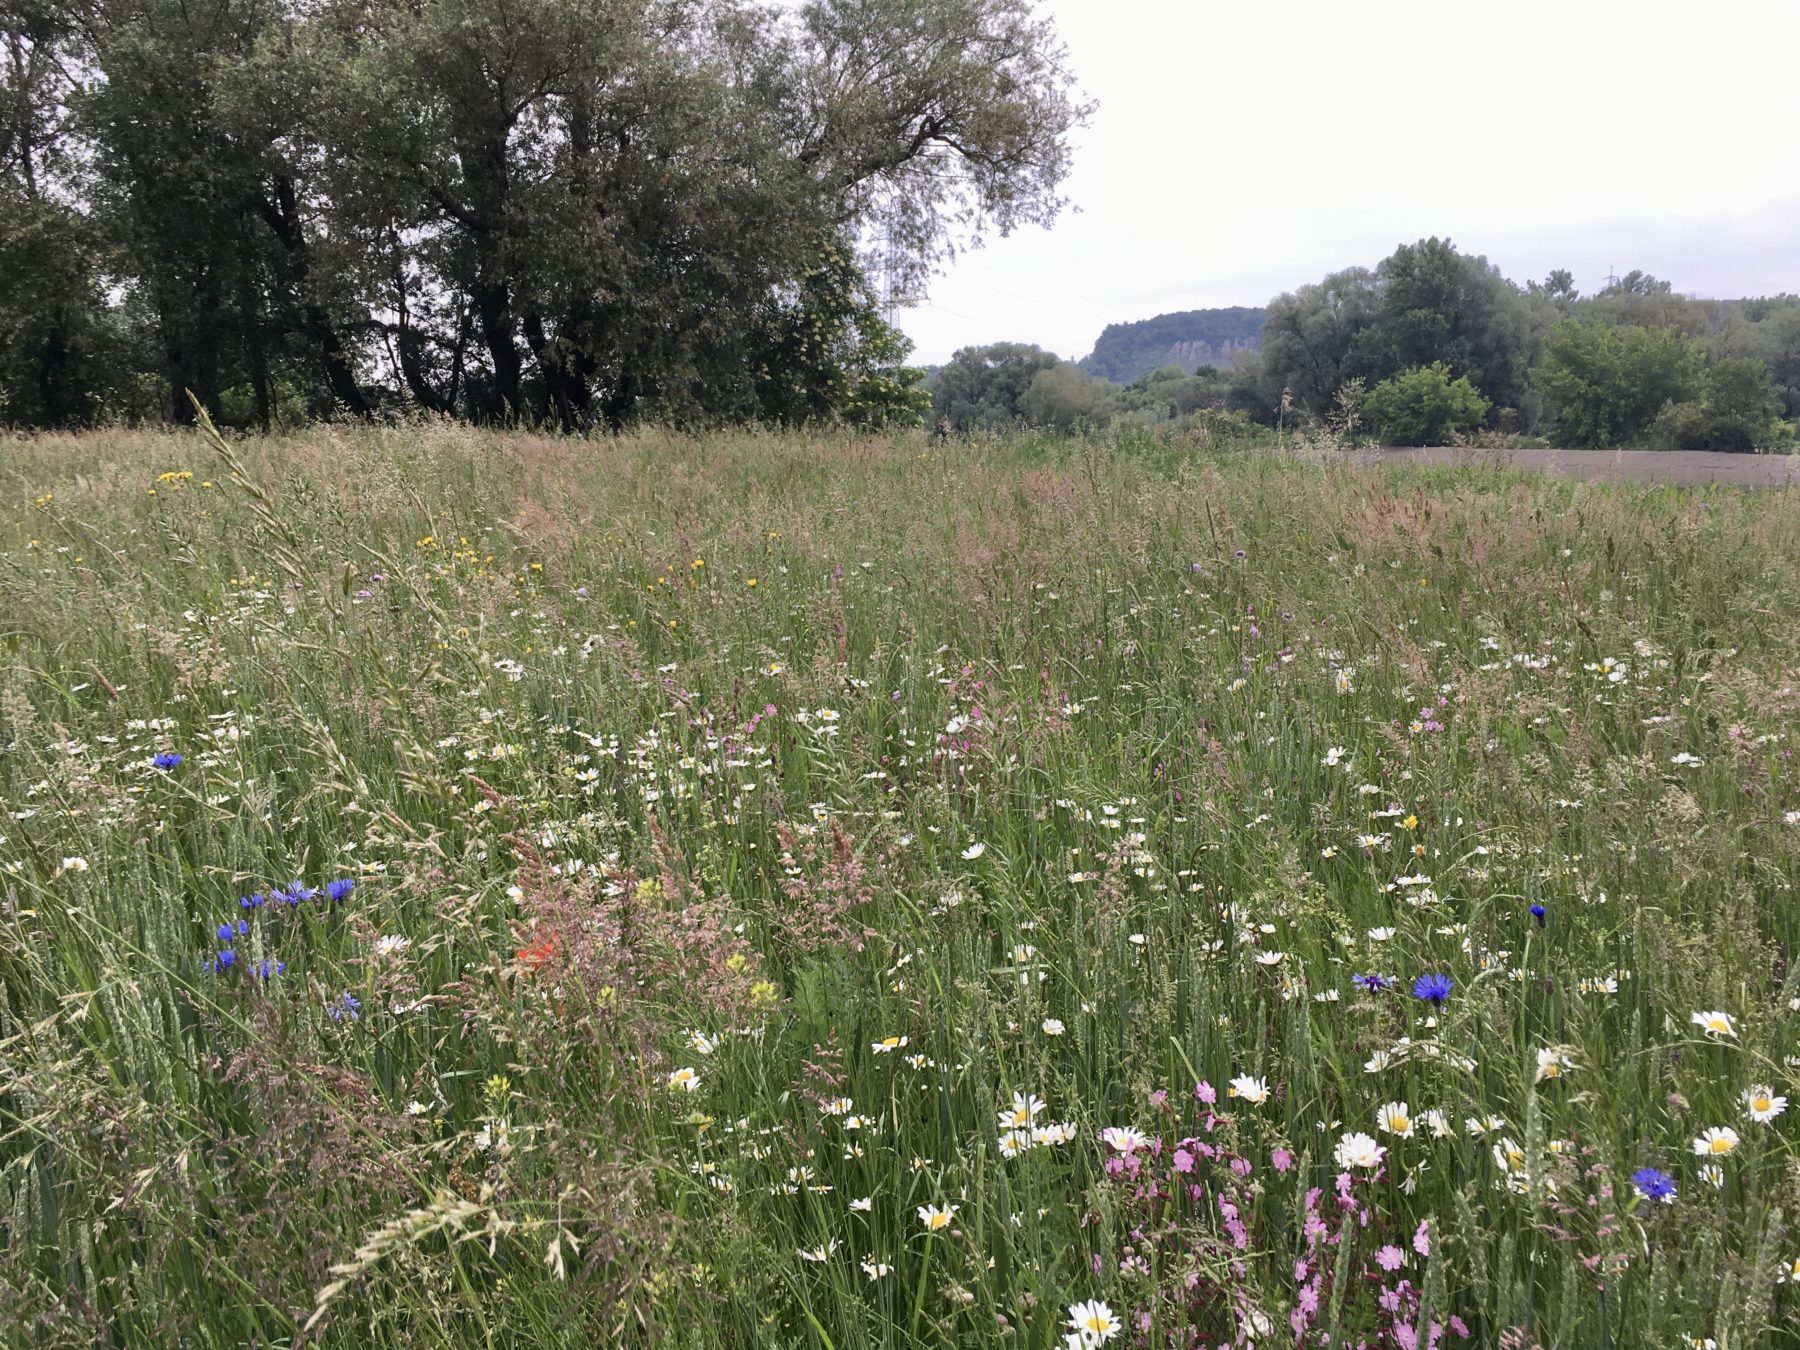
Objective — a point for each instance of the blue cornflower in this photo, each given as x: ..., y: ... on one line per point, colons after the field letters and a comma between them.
x: 300, y: 891
x: 1538, y: 912
x: 1434, y: 989
x: 225, y: 960
x: 267, y: 969
x: 1654, y: 1185
x: 256, y: 901
x: 167, y: 761
x: 348, y: 1006
x: 226, y: 932
x: 1374, y: 983
x: 338, y: 889
x: 282, y: 897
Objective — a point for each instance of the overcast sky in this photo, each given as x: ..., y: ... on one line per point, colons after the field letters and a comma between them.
x: 1243, y: 148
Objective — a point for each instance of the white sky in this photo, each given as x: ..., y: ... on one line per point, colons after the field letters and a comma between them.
x: 1244, y: 147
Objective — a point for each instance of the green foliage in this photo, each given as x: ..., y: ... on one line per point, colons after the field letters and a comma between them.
x: 1640, y: 300
x: 1772, y: 336
x: 61, y: 348
x: 1424, y: 303
x: 1423, y: 406
x: 1316, y: 338
x: 983, y: 388
x: 1738, y: 411
x: 1347, y: 416
x: 575, y: 213
x: 1606, y: 383
x: 1557, y: 290
x: 1742, y: 407
x: 1127, y: 352
x: 1062, y: 398
x: 1439, y: 305
x: 1170, y: 394
x: 886, y: 394
x: 830, y: 354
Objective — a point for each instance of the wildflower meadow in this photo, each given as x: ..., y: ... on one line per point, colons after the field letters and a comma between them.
x: 463, y: 889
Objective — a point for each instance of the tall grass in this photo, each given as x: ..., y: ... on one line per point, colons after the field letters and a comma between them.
x: 736, y: 826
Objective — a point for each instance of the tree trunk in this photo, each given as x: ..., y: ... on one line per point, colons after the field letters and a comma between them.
x: 481, y: 150
x: 567, y: 373
x: 493, y: 306
x: 283, y: 217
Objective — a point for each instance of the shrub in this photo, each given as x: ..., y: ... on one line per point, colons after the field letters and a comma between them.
x: 1738, y: 412
x: 1424, y: 406
x: 1679, y: 426
x: 1608, y: 384
x: 1743, y: 412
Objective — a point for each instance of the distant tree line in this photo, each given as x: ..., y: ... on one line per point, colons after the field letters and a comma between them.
x: 573, y: 212
x: 1432, y: 345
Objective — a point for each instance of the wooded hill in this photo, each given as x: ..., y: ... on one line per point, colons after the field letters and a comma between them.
x: 1190, y: 338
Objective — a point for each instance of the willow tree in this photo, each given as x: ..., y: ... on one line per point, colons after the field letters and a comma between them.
x: 588, y: 209
x: 579, y: 211
x: 59, y: 345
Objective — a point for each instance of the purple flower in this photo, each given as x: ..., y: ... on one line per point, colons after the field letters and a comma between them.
x: 1654, y: 1185
x: 1433, y: 989
x: 1390, y: 1258
x: 348, y: 1006
x: 1373, y: 983
x: 338, y: 889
